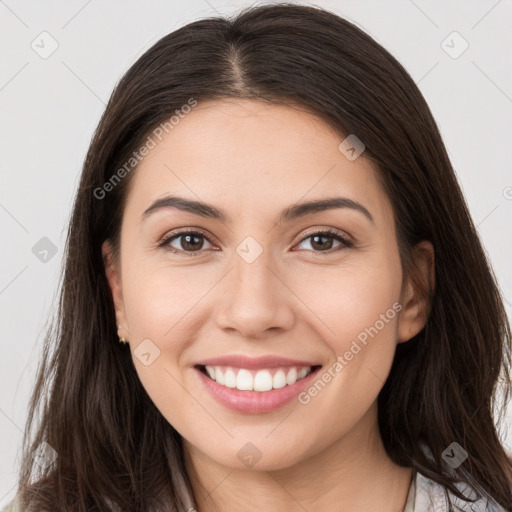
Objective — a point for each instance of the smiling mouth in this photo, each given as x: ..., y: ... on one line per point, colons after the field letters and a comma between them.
x: 262, y: 380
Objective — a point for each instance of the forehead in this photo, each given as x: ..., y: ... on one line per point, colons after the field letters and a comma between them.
x: 248, y: 156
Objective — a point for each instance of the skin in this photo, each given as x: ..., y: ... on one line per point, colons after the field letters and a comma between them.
x: 295, y: 300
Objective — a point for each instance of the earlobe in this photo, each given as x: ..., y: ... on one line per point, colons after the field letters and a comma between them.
x: 114, y: 281
x: 417, y: 293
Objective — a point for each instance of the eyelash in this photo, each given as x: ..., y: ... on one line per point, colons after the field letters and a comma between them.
x: 330, y: 233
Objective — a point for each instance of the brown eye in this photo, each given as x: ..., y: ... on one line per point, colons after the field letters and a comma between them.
x: 185, y: 242
x: 323, y: 241
x: 191, y: 242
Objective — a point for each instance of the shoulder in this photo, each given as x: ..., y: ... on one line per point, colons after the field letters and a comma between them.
x: 12, y: 506
x: 430, y: 496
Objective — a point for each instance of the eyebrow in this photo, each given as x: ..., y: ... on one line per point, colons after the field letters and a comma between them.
x: 287, y: 215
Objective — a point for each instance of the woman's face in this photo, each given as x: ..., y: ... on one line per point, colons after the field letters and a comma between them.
x: 256, y: 280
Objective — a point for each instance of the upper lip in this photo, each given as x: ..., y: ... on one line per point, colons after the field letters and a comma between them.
x: 241, y: 361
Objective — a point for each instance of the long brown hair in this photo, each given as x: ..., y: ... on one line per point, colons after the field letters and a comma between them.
x: 113, y: 446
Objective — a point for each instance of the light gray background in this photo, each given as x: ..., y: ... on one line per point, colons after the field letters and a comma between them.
x: 51, y: 106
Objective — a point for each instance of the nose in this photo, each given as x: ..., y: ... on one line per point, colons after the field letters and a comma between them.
x: 254, y: 300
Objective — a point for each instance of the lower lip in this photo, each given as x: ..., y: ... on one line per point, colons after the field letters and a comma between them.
x: 254, y: 402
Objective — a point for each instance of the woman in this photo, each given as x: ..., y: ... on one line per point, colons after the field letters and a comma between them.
x: 268, y: 222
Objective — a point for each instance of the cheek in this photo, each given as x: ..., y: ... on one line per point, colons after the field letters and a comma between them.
x: 161, y: 305
x: 359, y: 309
x: 356, y: 311
x: 351, y: 300
x: 161, y: 300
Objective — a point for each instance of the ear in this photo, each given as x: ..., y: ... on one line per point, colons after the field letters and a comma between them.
x: 113, y: 274
x: 415, y: 294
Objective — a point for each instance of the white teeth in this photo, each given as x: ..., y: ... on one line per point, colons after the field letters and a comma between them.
x: 279, y: 380
x: 219, y: 376
x: 261, y: 380
x: 302, y: 373
x: 244, y: 380
x: 291, y: 377
x: 230, y: 378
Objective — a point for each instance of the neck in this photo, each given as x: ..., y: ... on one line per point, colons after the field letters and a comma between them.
x: 354, y: 473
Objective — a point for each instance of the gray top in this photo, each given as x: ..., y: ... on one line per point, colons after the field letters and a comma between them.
x: 425, y: 495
